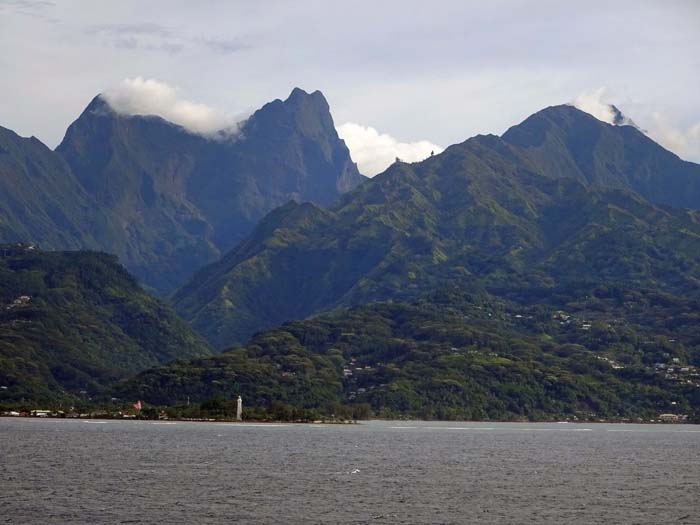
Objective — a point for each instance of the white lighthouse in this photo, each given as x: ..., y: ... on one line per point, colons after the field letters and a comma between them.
x: 239, y: 409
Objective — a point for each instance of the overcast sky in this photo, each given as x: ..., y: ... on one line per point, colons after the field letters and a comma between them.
x: 401, y: 77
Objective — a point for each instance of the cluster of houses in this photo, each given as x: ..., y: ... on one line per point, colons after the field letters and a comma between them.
x: 353, y: 368
x: 42, y: 413
x: 677, y: 372
x: 562, y: 317
x: 33, y: 413
x: 17, y: 248
x: 20, y: 301
x: 350, y: 368
x: 614, y: 364
x: 351, y: 371
x: 9, y: 250
x: 565, y: 320
x: 673, y: 418
x: 672, y: 371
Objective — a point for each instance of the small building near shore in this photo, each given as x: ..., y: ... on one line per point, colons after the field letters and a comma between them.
x: 672, y: 418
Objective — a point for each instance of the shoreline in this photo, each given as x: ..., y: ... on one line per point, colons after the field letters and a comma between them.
x: 351, y: 422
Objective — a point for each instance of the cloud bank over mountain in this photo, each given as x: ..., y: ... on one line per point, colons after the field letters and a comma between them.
x: 592, y: 103
x: 141, y: 96
x: 432, y: 79
x: 374, y: 151
x: 683, y: 142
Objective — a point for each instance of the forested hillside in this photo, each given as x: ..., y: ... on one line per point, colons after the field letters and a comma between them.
x: 585, y: 353
x: 482, y: 213
x: 72, y: 322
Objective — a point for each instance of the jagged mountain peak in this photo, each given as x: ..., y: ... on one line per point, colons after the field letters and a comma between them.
x: 8, y: 136
x: 560, y: 174
x: 196, y: 197
x: 302, y: 111
x: 570, y: 115
x: 98, y: 106
x: 564, y: 141
x: 307, y: 113
x: 298, y: 94
x: 100, y: 109
x: 620, y: 119
x: 571, y: 123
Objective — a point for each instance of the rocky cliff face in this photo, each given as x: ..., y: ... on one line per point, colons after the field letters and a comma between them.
x: 182, y: 199
x: 163, y: 199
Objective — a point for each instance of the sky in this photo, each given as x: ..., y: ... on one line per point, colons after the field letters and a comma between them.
x: 403, y: 78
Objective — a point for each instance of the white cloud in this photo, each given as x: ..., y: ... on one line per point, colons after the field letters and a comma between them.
x: 592, y: 103
x: 139, y: 96
x: 374, y: 151
x: 684, y: 143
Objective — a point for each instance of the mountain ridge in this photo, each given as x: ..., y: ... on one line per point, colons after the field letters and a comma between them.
x: 166, y: 200
x: 604, y: 154
x: 456, y: 356
x: 72, y: 322
x: 480, y: 212
x: 42, y: 199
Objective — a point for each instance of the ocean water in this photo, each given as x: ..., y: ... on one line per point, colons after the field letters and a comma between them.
x: 76, y: 471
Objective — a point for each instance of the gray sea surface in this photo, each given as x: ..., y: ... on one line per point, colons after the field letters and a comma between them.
x: 80, y: 471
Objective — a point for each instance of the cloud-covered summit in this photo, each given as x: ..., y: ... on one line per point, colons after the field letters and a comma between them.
x: 593, y: 104
x: 371, y: 150
x: 683, y: 142
x: 374, y: 151
x: 141, y: 96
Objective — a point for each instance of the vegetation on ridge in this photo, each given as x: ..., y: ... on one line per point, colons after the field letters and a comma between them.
x: 478, y: 214
x: 164, y: 200
x: 71, y: 322
x: 604, y: 353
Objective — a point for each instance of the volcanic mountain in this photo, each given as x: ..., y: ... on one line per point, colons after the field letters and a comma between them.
x: 163, y: 199
x: 75, y: 321
x: 560, y: 198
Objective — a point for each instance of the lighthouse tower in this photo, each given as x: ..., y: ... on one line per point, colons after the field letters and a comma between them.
x: 239, y: 409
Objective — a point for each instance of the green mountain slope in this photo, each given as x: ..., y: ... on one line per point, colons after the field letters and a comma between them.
x: 478, y: 214
x: 604, y: 352
x: 561, y: 141
x: 42, y: 200
x: 164, y: 200
x: 74, y: 321
x: 182, y: 199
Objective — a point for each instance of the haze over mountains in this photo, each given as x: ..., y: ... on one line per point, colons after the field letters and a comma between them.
x: 163, y: 199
